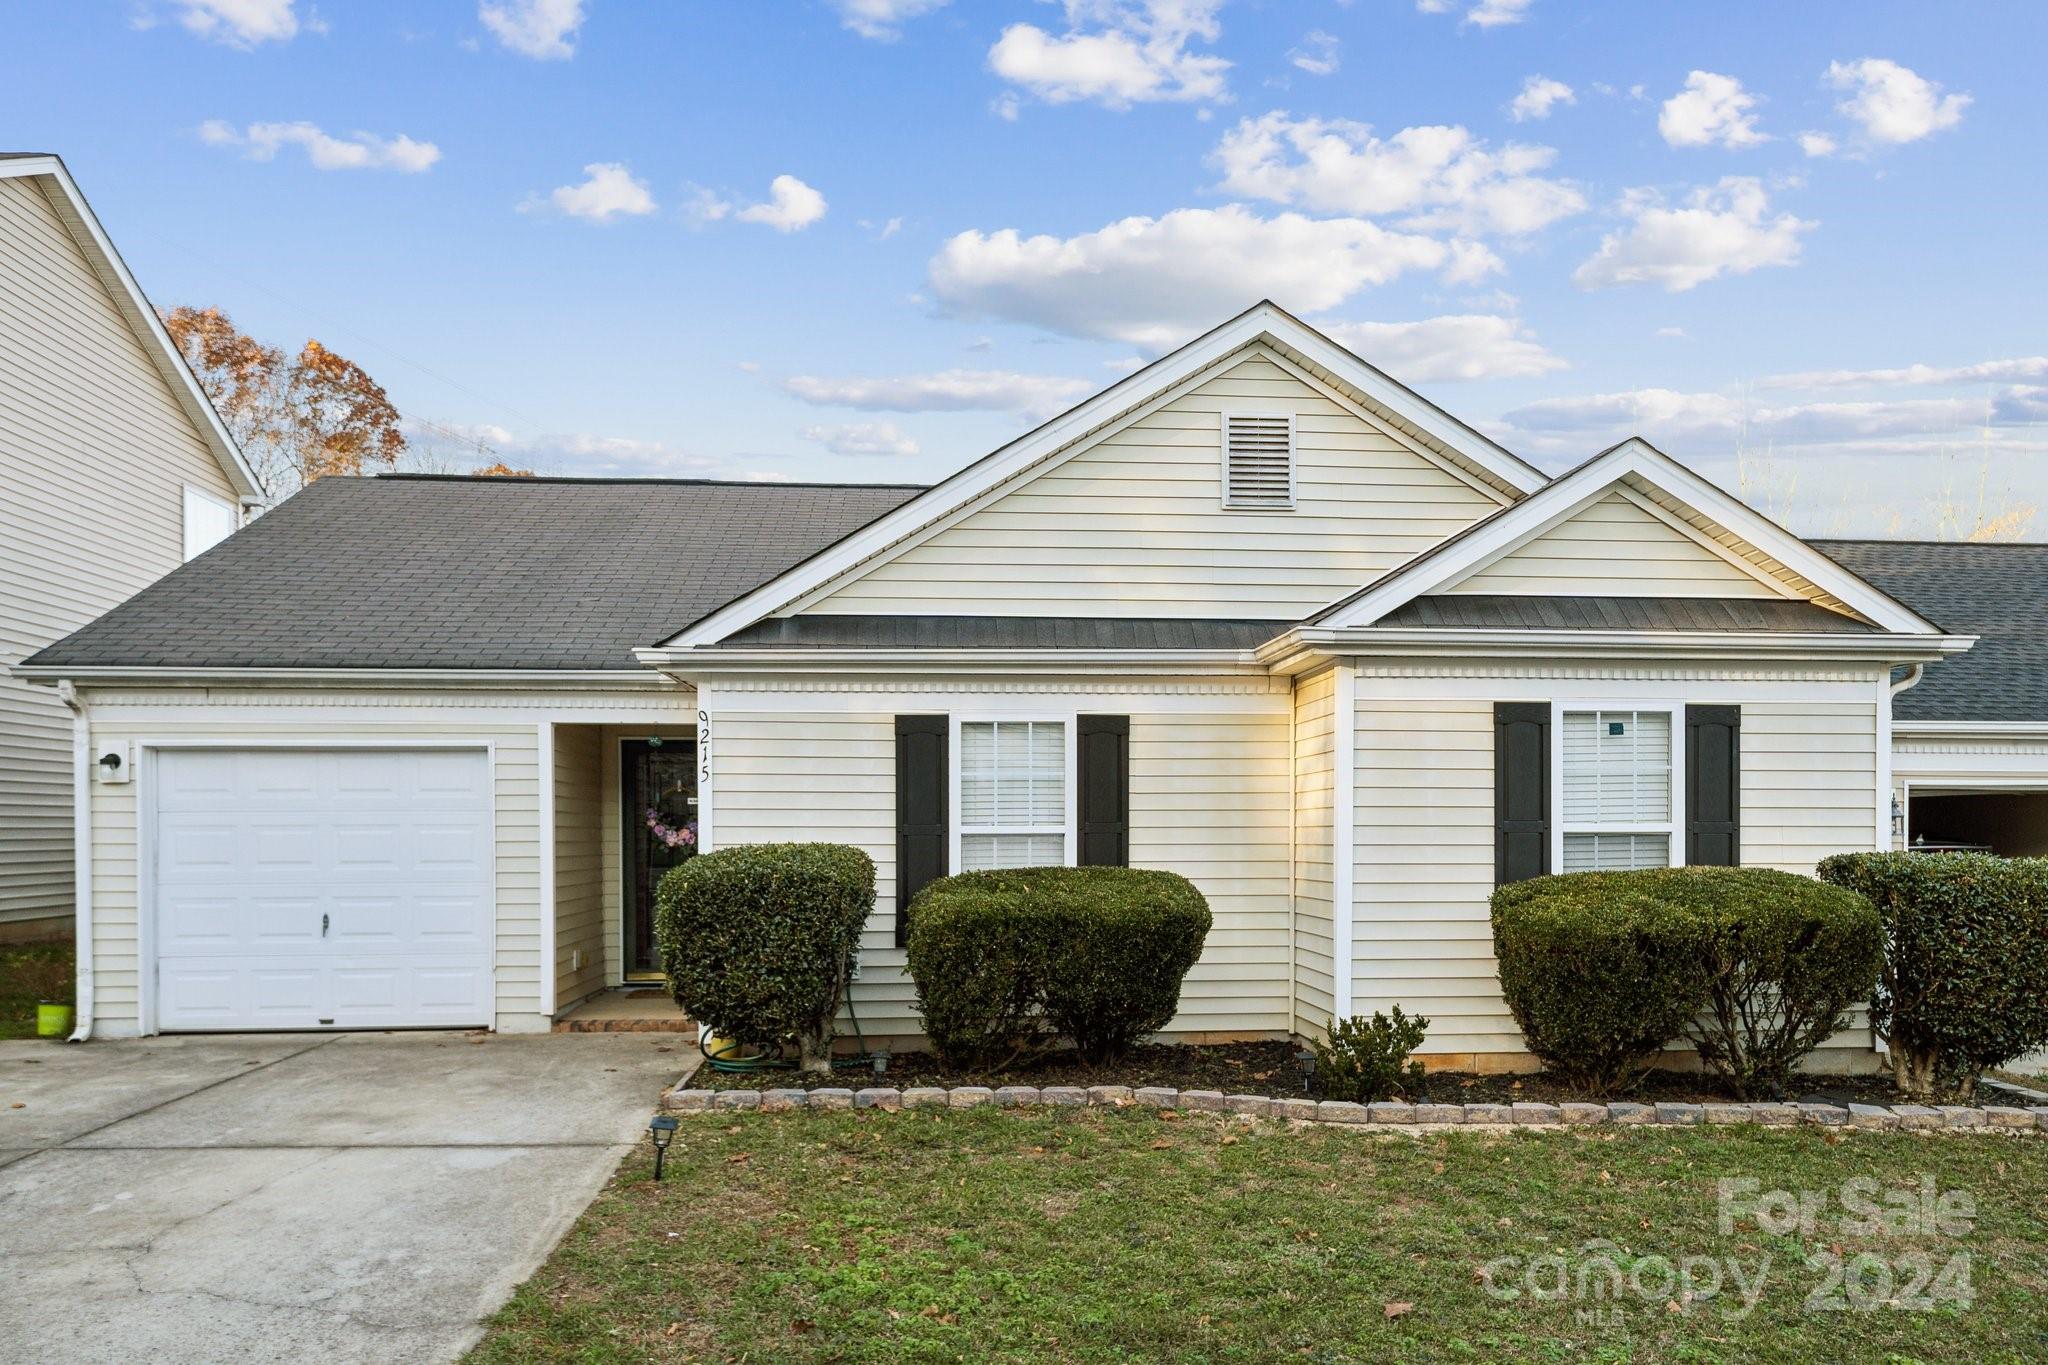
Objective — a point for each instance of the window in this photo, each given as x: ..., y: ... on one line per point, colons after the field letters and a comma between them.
x: 1013, y: 793
x: 1617, y: 790
x: 208, y: 521
x: 1258, y: 461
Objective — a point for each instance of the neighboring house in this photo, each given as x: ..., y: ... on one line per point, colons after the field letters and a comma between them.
x: 1257, y: 614
x: 116, y: 471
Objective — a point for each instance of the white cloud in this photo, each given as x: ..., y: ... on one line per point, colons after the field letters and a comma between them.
x: 791, y: 206
x: 1154, y: 282
x: 1006, y: 106
x: 1036, y: 395
x: 1455, y: 347
x: 1711, y: 110
x: 883, y: 19
x: 863, y: 438
x: 452, y: 447
x: 1721, y: 229
x: 2014, y: 370
x: 1317, y: 54
x: 1891, y: 103
x: 608, y: 190
x: 356, y: 152
x: 1817, y: 144
x: 1539, y: 95
x: 542, y: 29
x: 1672, y: 334
x: 1443, y: 178
x: 1117, y: 53
x: 1494, y: 13
x: 240, y: 23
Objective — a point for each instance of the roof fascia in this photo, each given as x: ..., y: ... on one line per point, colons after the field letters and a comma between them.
x: 1871, y: 650
x: 51, y: 674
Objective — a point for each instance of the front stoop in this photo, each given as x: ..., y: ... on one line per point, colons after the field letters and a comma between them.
x: 631, y: 1010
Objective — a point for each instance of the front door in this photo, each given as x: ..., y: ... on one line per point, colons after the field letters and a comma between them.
x: 659, y: 818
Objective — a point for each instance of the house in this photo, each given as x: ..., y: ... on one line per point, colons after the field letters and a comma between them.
x: 116, y: 472
x: 413, y: 750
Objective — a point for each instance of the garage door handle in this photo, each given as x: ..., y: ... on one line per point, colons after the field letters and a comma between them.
x: 323, y: 926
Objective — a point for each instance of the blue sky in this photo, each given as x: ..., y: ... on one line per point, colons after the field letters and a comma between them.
x: 1799, y: 246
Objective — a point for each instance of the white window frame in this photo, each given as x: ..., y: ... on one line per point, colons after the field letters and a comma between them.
x: 1223, y: 461
x: 1068, y: 833
x: 194, y: 491
x: 1672, y: 829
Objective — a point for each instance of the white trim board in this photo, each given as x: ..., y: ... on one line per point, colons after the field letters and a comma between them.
x: 1263, y: 323
x: 1462, y: 555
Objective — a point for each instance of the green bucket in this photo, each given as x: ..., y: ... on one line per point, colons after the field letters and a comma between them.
x: 53, y: 1021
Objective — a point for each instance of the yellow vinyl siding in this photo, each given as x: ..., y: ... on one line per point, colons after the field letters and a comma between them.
x: 1614, y: 548
x: 97, y: 453
x: 1211, y: 794
x: 1423, y: 936
x: 579, y: 864
x: 1133, y: 525
x: 1315, y: 736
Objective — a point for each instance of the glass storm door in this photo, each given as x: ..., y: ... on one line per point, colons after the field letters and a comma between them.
x: 659, y: 816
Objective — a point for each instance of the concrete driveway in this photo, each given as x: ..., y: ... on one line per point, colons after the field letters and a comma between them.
x: 351, y: 1197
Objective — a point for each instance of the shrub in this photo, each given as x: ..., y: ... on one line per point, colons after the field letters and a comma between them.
x: 1007, y: 961
x: 757, y: 940
x: 1786, y: 958
x: 1600, y: 971
x: 1367, y: 1059
x: 1964, y: 985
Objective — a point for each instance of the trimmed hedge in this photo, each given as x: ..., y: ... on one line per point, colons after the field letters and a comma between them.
x: 757, y: 940
x: 1600, y: 971
x: 1965, y: 981
x: 1007, y: 962
x: 1754, y: 967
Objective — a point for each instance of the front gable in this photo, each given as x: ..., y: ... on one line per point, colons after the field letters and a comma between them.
x: 1135, y: 521
x: 1621, y: 544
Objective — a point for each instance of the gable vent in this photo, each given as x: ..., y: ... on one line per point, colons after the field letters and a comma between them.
x: 1258, y: 461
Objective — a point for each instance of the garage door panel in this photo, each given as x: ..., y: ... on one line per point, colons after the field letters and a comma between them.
x: 254, y: 849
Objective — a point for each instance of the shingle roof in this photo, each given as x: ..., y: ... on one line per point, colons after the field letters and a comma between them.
x: 438, y: 572
x: 1996, y: 592
x: 1505, y: 612
x: 1000, y: 632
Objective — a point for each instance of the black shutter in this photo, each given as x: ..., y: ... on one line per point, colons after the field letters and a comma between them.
x: 1102, y: 753
x: 1521, y: 790
x: 1713, y: 785
x: 920, y: 811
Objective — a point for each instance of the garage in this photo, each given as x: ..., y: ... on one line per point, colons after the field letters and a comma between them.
x: 2009, y: 823
x: 332, y: 888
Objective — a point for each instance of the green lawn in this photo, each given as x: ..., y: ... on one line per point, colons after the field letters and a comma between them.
x: 1092, y: 1235
x: 26, y: 970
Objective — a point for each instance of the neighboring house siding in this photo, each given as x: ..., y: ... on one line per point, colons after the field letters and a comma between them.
x: 579, y: 864
x: 508, y: 722
x: 1315, y: 737
x: 1423, y: 936
x: 1211, y: 797
x: 1134, y: 524
x: 1615, y: 548
x: 97, y: 453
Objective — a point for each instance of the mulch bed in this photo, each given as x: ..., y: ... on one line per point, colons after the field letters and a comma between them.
x: 1271, y: 1069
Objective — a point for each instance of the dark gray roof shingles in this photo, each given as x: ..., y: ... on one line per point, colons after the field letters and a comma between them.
x: 1486, y: 611
x: 1998, y: 593
x: 424, y: 572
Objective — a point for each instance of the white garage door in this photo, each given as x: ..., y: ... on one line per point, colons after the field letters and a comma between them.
x: 322, y: 888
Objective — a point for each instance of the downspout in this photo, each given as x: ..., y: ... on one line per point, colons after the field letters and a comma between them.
x: 1911, y: 680
x: 81, y: 853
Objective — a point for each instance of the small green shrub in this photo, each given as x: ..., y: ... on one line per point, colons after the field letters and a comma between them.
x: 1006, y: 962
x: 1964, y: 985
x: 1787, y: 957
x: 757, y: 940
x: 1363, y: 1060
x: 1600, y: 971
